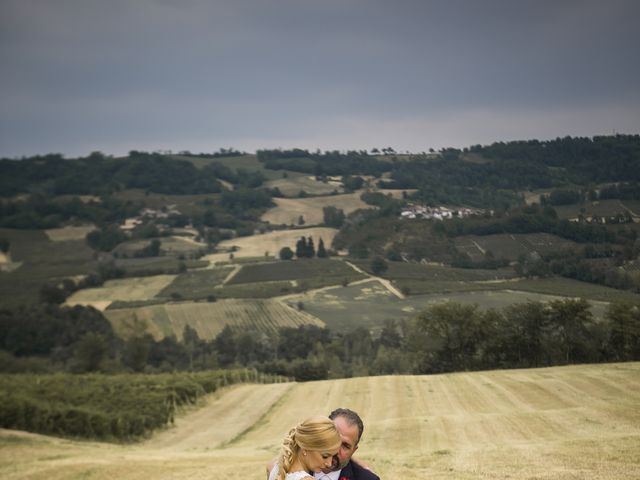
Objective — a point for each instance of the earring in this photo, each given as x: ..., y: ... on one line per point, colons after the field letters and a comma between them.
x: 304, y: 453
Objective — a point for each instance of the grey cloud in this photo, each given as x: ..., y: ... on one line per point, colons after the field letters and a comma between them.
x: 284, y: 70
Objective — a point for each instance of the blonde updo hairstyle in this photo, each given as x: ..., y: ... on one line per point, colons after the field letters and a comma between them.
x: 317, y: 434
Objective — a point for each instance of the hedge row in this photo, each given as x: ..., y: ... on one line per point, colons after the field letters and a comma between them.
x: 106, y: 407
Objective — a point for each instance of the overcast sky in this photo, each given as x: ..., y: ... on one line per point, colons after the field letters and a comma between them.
x: 109, y: 75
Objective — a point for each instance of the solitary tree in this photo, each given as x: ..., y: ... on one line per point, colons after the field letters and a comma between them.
x: 378, y: 265
x: 286, y: 253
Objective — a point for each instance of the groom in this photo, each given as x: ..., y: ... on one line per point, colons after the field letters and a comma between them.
x: 350, y: 427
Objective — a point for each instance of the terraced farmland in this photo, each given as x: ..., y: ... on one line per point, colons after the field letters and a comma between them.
x: 208, y: 319
x: 577, y: 422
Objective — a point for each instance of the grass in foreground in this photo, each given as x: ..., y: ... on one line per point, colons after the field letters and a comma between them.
x: 576, y: 422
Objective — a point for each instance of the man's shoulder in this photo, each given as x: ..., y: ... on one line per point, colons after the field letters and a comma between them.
x: 361, y: 473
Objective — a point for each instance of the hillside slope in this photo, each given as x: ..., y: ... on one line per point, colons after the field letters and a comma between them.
x: 563, y: 422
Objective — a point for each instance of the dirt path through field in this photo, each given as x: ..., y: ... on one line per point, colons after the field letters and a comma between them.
x: 386, y: 283
x: 232, y: 274
x: 225, y: 417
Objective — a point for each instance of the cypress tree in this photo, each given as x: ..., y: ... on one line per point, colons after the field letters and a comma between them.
x: 311, y: 250
x: 322, y: 253
x: 301, y: 248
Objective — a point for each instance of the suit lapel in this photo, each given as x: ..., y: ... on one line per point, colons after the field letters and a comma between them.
x: 346, y: 472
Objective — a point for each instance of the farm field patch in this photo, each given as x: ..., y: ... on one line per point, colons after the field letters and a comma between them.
x: 552, y: 423
x: 510, y: 246
x: 333, y: 271
x: 124, y: 289
x: 197, y: 284
x: 293, y: 184
x: 176, y: 245
x: 600, y: 208
x: 289, y: 210
x: 568, y: 287
x: 269, y: 243
x: 155, y: 265
x: 246, y: 162
x: 397, y: 193
x: 34, y: 247
x: 559, y: 286
x: 172, y: 245
x: 69, y: 233
x: 208, y: 318
x: 187, y: 204
x: 36, y: 261
x: 419, y: 271
x: 370, y: 304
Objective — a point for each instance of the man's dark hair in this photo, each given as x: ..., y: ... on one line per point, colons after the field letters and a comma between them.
x: 352, y: 418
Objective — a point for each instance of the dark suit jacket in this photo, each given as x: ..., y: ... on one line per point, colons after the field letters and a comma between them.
x: 353, y: 471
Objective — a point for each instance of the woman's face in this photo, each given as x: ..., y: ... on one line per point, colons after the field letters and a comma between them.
x: 318, y: 461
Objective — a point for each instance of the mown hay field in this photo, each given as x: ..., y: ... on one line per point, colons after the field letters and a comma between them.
x: 208, y: 319
x: 576, y: 422
x: 69, y: 233
x: 124, y: 290
x: 270, y: 243
x: 293, y: 184
x: 172, y: 245
x: 289, y: 210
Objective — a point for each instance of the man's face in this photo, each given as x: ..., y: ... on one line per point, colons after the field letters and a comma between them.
x: 349, y: 437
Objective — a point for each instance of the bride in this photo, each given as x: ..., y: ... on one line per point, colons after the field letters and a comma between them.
x: 308, y: 447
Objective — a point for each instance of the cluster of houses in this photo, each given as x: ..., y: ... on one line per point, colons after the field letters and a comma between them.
x: 439, y: 213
